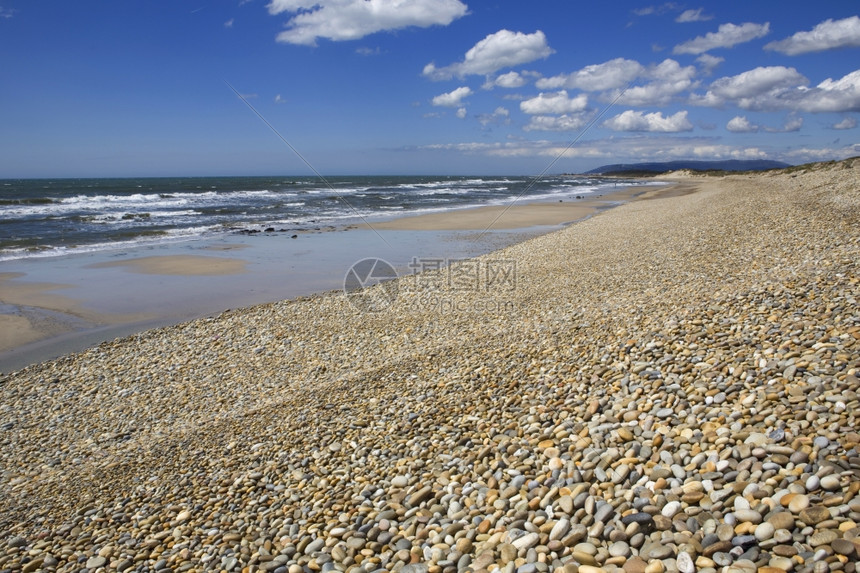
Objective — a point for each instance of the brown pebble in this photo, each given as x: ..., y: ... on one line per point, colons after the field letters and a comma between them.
x: 814, y: 515
x: 843, y: 547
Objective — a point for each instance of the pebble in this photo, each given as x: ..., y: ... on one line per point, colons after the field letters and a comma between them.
x: 685, y: 563
x: 764, y: 531
x: 648, y: 412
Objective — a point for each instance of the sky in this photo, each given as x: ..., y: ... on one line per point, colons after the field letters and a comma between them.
x: 437, y: 87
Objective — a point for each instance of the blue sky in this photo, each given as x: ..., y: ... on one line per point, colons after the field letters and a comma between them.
x: 137, y: 88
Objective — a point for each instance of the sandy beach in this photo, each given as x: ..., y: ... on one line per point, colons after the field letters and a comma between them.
x: 668, y: 385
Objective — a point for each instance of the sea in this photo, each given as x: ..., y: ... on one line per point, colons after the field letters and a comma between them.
x: 52, y: 217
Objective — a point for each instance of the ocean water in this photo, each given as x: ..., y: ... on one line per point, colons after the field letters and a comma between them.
x: 50, y: 217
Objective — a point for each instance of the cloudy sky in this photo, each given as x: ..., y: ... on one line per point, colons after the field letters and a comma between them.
x: 138, y: 88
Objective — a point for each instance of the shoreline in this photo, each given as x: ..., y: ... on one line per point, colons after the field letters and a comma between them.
x: 673, y: 382
x: 47, y: 327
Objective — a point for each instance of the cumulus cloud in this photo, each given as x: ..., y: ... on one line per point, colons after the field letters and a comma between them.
x: 668, y: 79
x: 503, y: 49
x: 461, y: 113
x: 509, y: 80
x: 709, y: 62
x: 827, y: 35
x: 726, y: 36
x: 792, y: 124
x: 743, y: 89
x: 652, y: 122
x: 740, y: 124
x: 453, y: 98
x: 341, y: 20
x: 847, y: 123
x: 598, y: 77
x: 566, y: 122
x: 697, y: 15
x: 554, y: 103
x: 664, y: 81
x: 779, y: 88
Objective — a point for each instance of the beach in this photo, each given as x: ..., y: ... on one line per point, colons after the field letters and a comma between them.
x: 667, y: 385
x: 50, y: 306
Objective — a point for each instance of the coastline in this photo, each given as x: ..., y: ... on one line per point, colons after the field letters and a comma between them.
x: 91, y: 298
x: 644, y: 388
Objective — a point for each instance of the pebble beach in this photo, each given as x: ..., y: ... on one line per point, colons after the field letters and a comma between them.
x: 670, y: 385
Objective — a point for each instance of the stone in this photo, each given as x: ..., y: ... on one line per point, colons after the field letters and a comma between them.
x: 764, y: 531
x: 844, y: 547
x: 685, y: 563
x: 781, y: 520
x: 830, y: 483
x: 95, y: 562
x: 798, y: 503
x: 814, y: 515
x: 823, y: 537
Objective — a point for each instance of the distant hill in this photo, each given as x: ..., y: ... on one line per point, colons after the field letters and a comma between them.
x: 729, y: 165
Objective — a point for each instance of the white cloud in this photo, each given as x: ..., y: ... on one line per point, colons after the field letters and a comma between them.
x: 626, y: 149
x: 598, y: 77
x: 554, y: 103
x: 503, y: 49
x: 847, y: 123
x: 827, y: 35
x: 564, y: 122
x: 740, y: 124
x: 229, y: 23
x: 500, y: 116
x: 665, y: 81
x: 652, y: 122
x: 661, y: 9
x: 709, y: 62
x: 7, y: 13
x: 368, y: 51
x: 697, y: 15
x: 668, y: 80
x: 341, y: 20
x: 792, y: 124
x: 453, y: 98
x: 279, y: 99
x: 726, y: 36
x: 778, y: 88
x: 461, y: 113
x: 510, y: 80
x: 744, y: 89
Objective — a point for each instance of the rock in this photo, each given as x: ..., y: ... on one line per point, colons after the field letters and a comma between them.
x: 420, y: 496
x: 527, y: 541
x: 764, y: 531
x: 781, y: 520
x: 798, y: 503
x: 635, y: 565
x: 830, y: 483
x: 685, y: 563
x: 814, y: 515
x: 96, y: 562
x: 844, y: 547
x: 619, y: 549
x: 670, y: 509
x: 748, y: 515
x: 400, y: 481
x: 643, y: 519
x: 823, y: 537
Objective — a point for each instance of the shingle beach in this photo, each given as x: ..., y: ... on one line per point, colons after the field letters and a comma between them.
x: 670, y: 385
